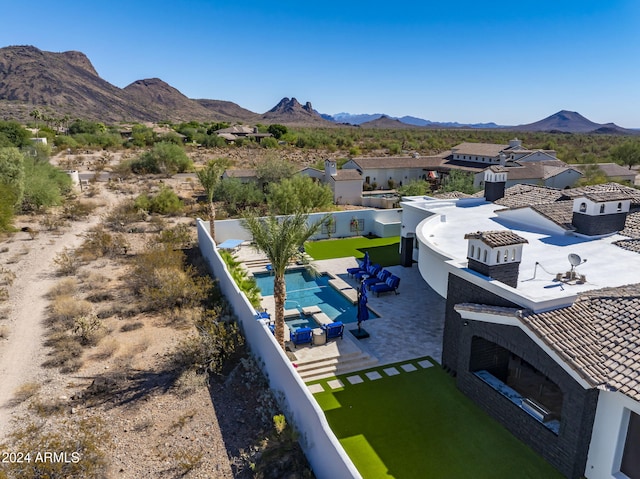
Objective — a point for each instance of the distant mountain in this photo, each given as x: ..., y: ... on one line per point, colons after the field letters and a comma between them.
x: 572, y: 122
x: 360, y: 119
x: 385, y: 122
x: 290, y: 111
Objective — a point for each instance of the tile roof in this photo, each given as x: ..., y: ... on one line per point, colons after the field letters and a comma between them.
x: 560, y: 212
x: 426, y: 162
x: 632, y: 244
x: 478, y: 149
x: 347, y: 175
x: 612, y: 170
x: 598, y: 336
x: 528, y: 195
x: 632, y: 225
x: 605, y: 192
x: 527, y: 170
x: 493, y: 239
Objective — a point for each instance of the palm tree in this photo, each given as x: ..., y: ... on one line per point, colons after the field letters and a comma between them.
x: 36, y: 114
x: 209, y: 178
x: 281, y: 240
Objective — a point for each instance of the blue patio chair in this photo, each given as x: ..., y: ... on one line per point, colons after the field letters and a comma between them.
x: 381, y: 277
x: 357, y: 269
x: 391, y: 284
x: 371, y: 271
x: 302, y: 336
x: 333, y: 330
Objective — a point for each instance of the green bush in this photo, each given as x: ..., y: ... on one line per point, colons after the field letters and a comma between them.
x: 165, y: 158
x: 165, y: 202
x: 44, y: 185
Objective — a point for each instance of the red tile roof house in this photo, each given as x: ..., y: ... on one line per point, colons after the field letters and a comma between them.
x: 542, y: 322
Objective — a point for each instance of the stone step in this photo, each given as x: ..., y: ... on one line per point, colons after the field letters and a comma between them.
x: 336, y: 368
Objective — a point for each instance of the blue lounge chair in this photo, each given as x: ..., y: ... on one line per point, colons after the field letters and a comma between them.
x: 371, y: 271
x: 333, y: 330
x: 302, y: 336
x: 391, y: 284
x: 381, y: 277
x: 357, y: 269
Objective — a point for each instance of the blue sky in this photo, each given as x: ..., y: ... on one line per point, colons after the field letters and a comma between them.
x: 466, y: 61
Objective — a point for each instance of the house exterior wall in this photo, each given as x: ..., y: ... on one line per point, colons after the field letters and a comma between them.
x: 598, y: 225
x: 347, y: 192
x: 563, y: 180
x: 609, y: 434
x: 567, y: 451
x: 381, y: 176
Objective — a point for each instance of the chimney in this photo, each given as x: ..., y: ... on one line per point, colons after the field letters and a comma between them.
x: 515, y: 143
x: 495, y: 181
x: 330, y: 168
x: 596, y: 214
x: 496, y: 254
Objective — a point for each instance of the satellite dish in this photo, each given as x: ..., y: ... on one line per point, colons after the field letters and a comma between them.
x: 575, y: 260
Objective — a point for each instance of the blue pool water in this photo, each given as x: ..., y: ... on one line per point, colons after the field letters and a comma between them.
x: 305, y: 290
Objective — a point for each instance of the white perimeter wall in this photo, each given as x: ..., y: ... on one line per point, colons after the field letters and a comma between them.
x: 323, y: 450
x: 609, y: 435
x: 382, y: 223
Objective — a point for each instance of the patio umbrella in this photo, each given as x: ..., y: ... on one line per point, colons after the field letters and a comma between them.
x: 363, y: 311
x: 365, y: 261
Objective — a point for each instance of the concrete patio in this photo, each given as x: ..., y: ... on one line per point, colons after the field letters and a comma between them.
x: 410, y: 323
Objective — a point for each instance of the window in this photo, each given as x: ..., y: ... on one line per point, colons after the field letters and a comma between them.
x: 630, y: 458
x: 619, y: 206
x: 583, y: 207
x: 601, y: 208
x: 506, y: 255
x: 478, y: 254
x: 498, y: 256
x: 472, y: 251
x: 513, y: 254
x: 484, y: 257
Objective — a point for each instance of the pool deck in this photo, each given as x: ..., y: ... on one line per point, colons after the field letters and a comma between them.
x: 410, y: 323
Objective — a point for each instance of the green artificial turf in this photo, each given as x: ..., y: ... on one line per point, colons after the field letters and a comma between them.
x: 419, y: 425
x: 384, y: 251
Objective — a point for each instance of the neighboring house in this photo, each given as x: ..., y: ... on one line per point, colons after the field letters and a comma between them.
x: 550, y: 173
x: 244, y: 175
x: 233, y: 133
x: 542, y: 321
x: 391, y: 172
x: 614, y: 172
x: 346, y: 184
x: 493, y: 154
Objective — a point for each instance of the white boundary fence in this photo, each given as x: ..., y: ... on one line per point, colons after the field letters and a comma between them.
x: 323, y: 450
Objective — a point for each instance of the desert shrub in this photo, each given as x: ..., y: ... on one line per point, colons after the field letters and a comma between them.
x: 6, y: 276
x: 64, y: 309
x: 162, y: 280
x: 66, y: 352
x: 83, y: 440
x: 64, y: 287
x: 125, y: 213
x: 177, y: 237
x: 99, y: 243
x: 165, y: 158
x: 165, y: 202
x: 67, y: 262
x: 44, y: 185
x: 25, y: 391
x: 88, y: 329
x: 131, y: 326
x: 76, y: 210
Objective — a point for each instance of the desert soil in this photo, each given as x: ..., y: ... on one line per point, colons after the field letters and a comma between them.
x: 155, y: 429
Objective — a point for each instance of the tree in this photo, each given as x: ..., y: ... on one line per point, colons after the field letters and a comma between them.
x: 12, y: 172
x: 277, y: 130
x: 414, y: 188
x: 627, y: 154
x: 273, y: 170
x: 299, y: 193
x: 36, y: 116
x: 209, y: 178
x: 164, y: 158
x: 281, y: 241
x: 459, y: 181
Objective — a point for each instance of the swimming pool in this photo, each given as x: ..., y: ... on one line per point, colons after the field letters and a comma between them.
x: 303, y: 289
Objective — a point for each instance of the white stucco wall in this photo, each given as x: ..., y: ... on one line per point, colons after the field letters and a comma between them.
x: 347, y: 192
x: 608, y: 435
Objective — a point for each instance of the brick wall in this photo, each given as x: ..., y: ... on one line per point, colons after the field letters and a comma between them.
x: 566, y: 451
x: 598, y: 225
x: 506, y: 273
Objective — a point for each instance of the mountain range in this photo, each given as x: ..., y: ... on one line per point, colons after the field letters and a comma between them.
x: 67, y: 84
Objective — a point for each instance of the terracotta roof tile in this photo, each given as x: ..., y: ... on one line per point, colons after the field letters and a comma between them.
x: 497, y: 238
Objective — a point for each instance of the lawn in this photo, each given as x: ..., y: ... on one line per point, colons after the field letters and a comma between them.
x: 418, y: 425
x: 384, y: 251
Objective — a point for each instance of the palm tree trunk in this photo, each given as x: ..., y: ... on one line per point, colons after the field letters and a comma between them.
x: 279, y: 294
x: 212, y: 218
